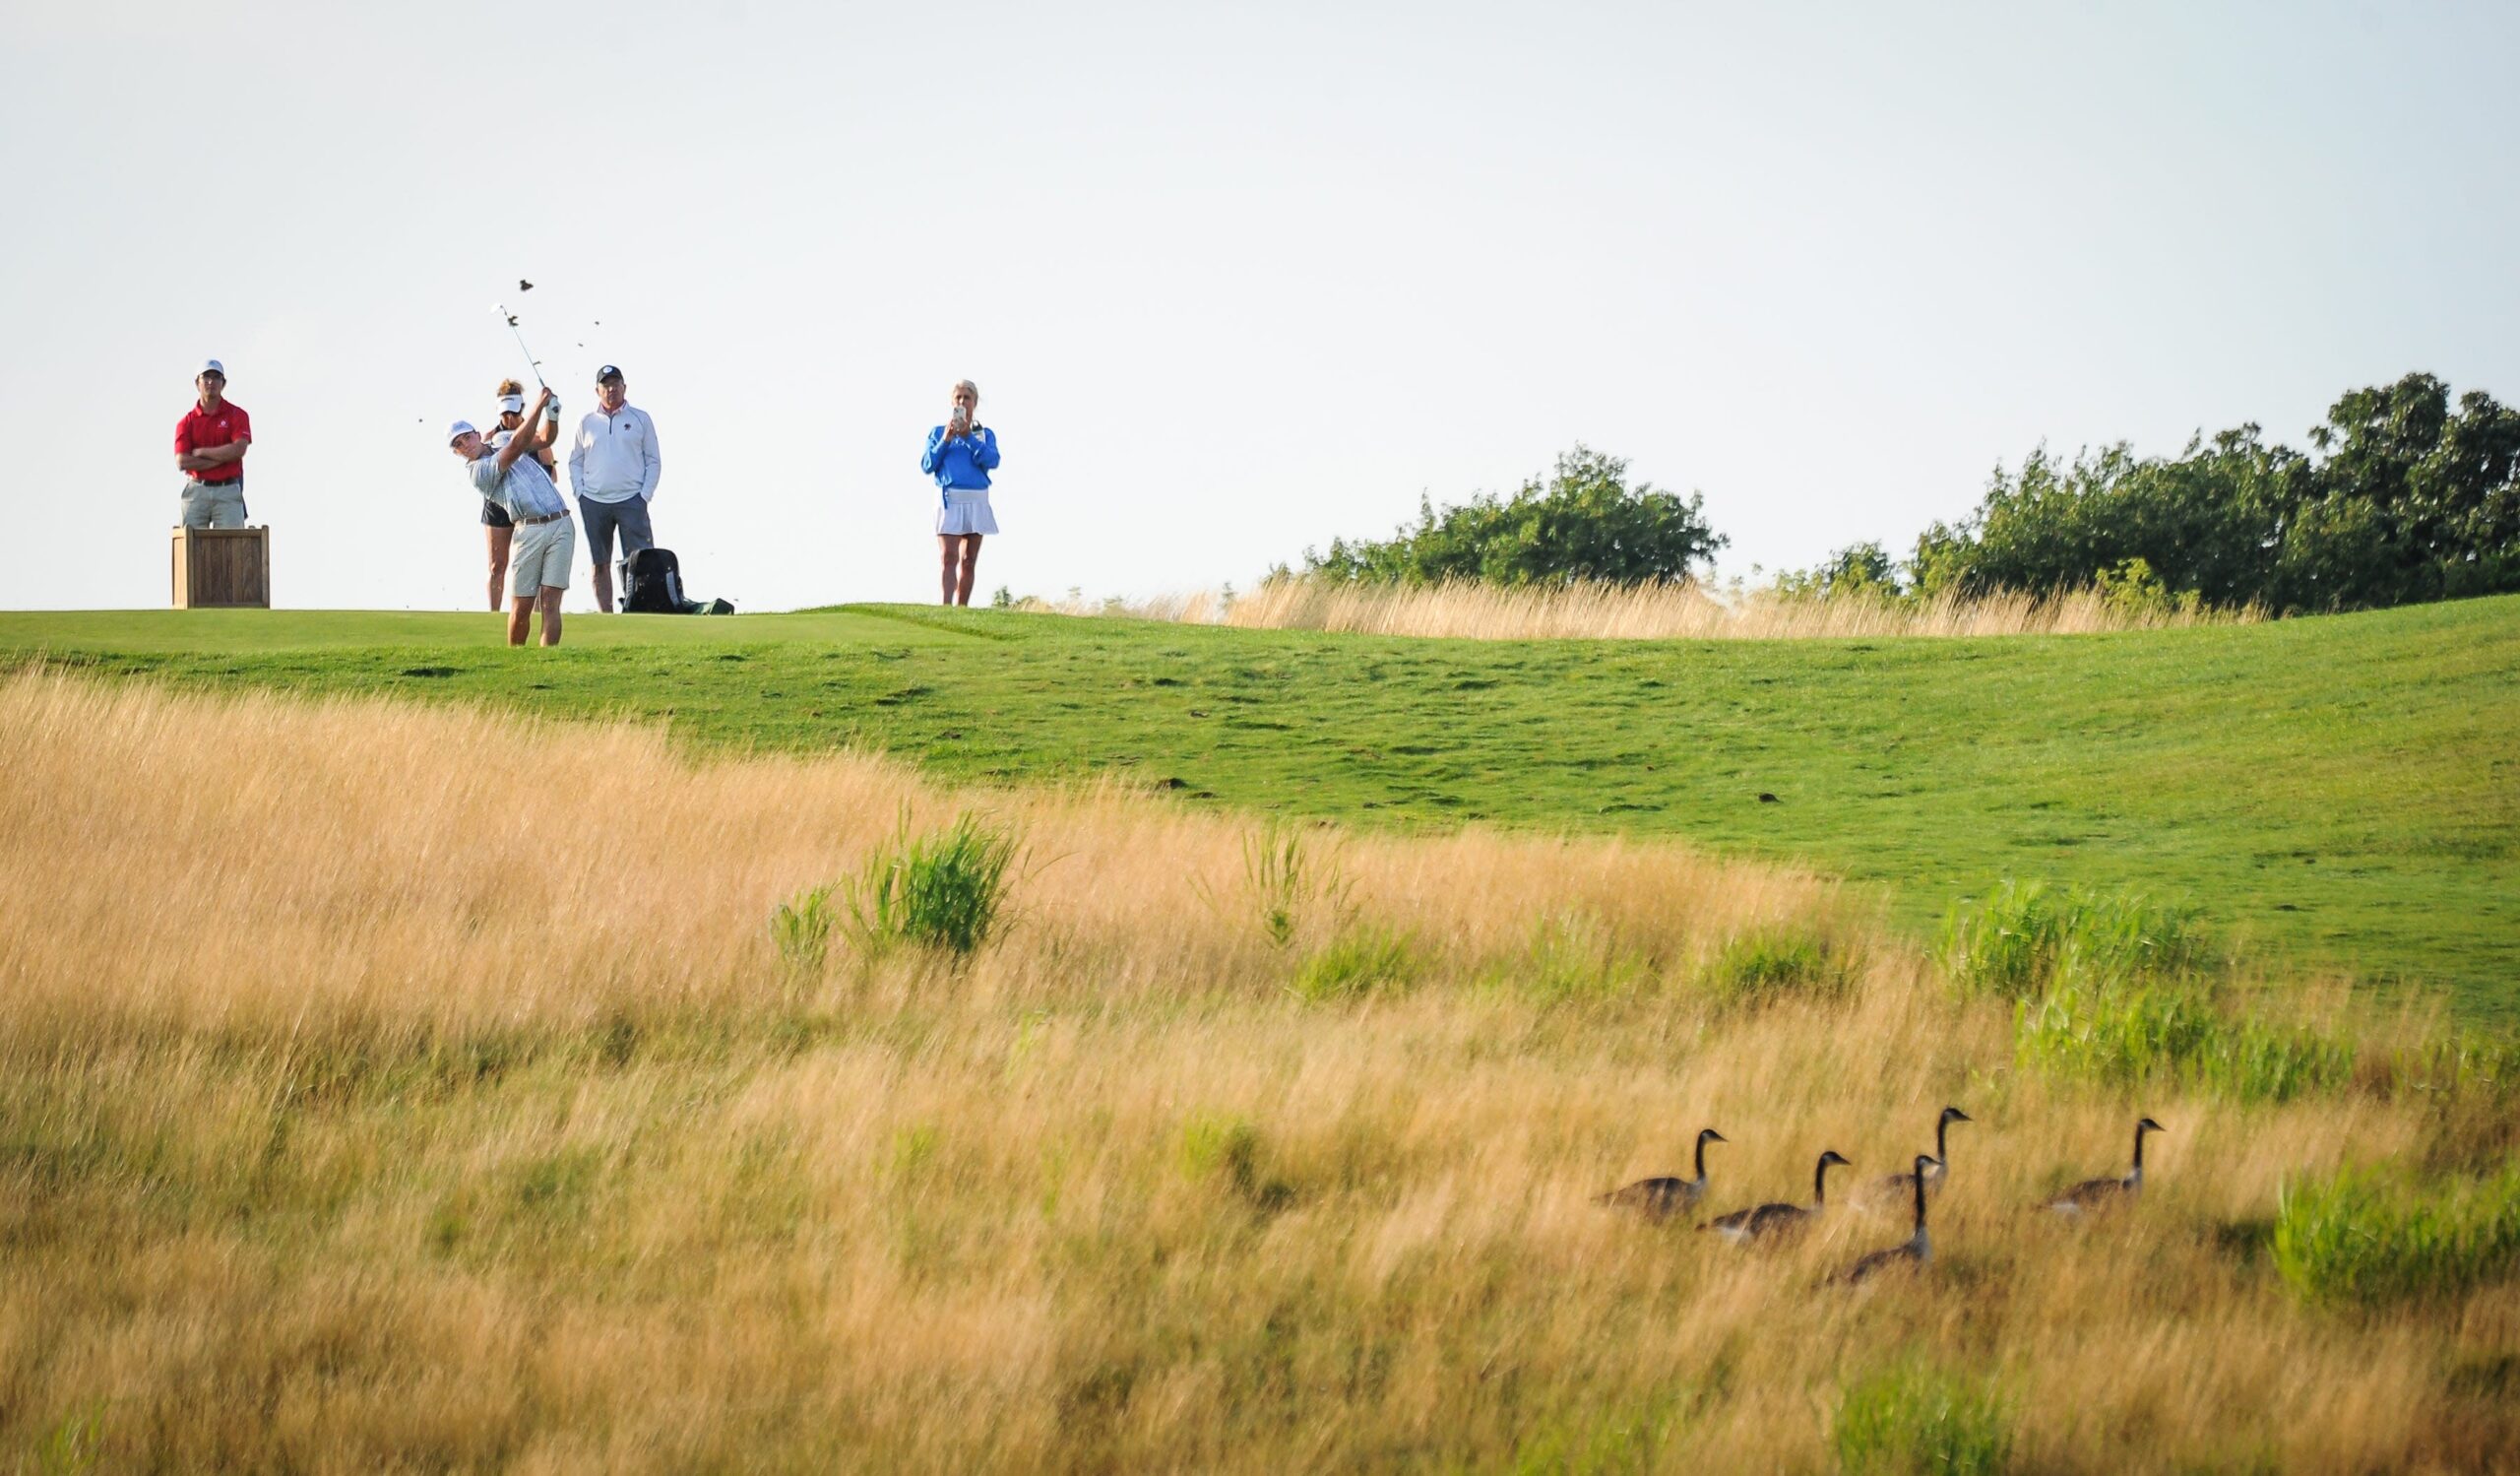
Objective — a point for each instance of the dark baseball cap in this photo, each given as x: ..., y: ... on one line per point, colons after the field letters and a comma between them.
x: 608, y: 371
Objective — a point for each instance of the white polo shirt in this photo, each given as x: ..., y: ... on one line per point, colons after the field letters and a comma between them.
x: 614, y: 457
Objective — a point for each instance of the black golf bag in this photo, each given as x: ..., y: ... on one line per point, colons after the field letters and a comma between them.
x: 652, y: 584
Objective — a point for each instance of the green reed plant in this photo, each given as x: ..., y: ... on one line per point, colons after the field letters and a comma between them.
x: 1574, y: 958
x: 2024, y: 935
x: 1287, y: 879
x: 1365, y: 959
x: 943, y: 890
x: 1912, y: 1418
x: 1769, y: 965
x: 2356, y: 1237
x: 801, y: 927
x: 2172, y: 1032
x: 1217, y: 1145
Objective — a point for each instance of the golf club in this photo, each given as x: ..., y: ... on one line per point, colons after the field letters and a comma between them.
x: 531, y: 360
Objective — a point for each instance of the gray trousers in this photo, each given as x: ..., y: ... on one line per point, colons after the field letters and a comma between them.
x: 214, y: 504
x: 600, y: 519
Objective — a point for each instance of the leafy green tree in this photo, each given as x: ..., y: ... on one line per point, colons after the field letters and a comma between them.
x: 1583, y: 523
x: 2404, y: 499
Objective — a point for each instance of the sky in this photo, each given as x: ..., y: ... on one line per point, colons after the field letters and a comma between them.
x: 1233, y: 280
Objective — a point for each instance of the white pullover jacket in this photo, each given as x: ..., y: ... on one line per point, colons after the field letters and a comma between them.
x: 614, y: 457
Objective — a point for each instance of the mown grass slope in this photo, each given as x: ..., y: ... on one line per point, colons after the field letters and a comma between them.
x: 2344, y: 793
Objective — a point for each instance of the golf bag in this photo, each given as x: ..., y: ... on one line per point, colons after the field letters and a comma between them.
x: 652, y: 584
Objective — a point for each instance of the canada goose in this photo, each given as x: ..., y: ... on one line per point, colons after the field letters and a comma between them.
x: 1891, y: 1188
x: 1916, y: 1251
x: 1662, y: 1199
x: 2100, y: 1193
x: 1776, y: 1219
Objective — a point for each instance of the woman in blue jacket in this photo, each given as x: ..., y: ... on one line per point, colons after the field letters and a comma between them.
x: 960, y: 455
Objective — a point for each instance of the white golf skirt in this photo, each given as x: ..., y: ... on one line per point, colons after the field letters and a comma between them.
x: 966, y: 510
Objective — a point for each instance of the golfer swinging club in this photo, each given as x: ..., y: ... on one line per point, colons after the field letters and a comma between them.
x: 539, y: 559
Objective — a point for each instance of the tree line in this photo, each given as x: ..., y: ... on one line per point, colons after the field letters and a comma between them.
x: 2402, y: 495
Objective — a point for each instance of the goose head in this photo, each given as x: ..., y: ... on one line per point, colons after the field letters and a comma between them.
x: 1710, y: 1135
x: 2149, y: 1126
x: 1954, y: 1115
x: 1820, y: 1175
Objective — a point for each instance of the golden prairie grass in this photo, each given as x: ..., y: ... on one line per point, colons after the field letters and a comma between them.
x: 397, y: 1088
x: 1471, y: 610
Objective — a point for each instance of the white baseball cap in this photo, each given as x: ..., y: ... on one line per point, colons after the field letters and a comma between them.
x: 512, y: 401
x: 212, y: 367
x: 458, y: 432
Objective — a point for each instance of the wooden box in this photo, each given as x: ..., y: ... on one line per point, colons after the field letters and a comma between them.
x: 223, y: 568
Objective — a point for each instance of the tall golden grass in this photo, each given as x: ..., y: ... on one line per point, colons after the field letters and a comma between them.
x: 1684, y: 612
x: 386, y: 1087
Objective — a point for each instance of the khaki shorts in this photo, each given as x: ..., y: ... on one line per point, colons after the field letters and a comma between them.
x: 539, y: 559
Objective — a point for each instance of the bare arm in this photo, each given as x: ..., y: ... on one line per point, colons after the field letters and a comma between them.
x: 517, y: 444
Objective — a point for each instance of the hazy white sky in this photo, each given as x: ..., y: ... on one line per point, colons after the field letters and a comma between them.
x: 1233, y: 279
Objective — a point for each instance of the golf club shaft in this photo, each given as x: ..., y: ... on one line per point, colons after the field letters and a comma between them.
x: 530, y: 362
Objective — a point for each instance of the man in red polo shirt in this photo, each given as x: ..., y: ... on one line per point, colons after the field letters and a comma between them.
x: 211, y: 441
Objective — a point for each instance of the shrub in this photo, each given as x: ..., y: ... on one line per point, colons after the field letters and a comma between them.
x: 1583, y: 524
x: 2130, y: 1035
x: 1917, y: 1419
x: 2132, y: 588
x: 2352, y: 1239
x: 1760, y: 968
x: 1574, y: 957
x: 1859, y: 571
x: 1215, y: 1144
x: 1363, y: 960
x: 802, y: 927
x: 1286, y: 879
x: 941, y: 890
x: 2454, y: 1063
x: 2022, y: 937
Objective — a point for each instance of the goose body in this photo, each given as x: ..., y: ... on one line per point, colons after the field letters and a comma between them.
x: 1892, y: 1188
x: 1916, y: 1251
x: 1663, y: 1197
x: 1744, y: 1225
x: 2099, y: 1193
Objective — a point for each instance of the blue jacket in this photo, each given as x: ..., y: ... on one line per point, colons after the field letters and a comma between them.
x: 962, y: 461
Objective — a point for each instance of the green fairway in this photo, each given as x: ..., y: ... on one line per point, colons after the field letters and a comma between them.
x: 2341, y: 792
x: 201, y: 632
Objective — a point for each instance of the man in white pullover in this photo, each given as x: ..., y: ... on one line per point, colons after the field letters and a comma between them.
x: 613, y: 468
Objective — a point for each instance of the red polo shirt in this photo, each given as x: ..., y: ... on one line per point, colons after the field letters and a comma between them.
x: 200, y: 431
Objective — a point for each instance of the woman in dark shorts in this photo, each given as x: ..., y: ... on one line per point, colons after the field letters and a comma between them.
x: 494, y: 518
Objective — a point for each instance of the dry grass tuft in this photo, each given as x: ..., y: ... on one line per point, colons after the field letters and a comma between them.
x: 387, y: 1087
x: 1685, y: 611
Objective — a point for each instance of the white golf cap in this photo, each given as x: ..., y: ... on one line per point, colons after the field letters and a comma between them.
x: 213, y: 366
x: 513, y: 403
x: 458, y: 432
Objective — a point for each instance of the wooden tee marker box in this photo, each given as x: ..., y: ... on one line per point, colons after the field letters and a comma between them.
x: 223, y: 568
